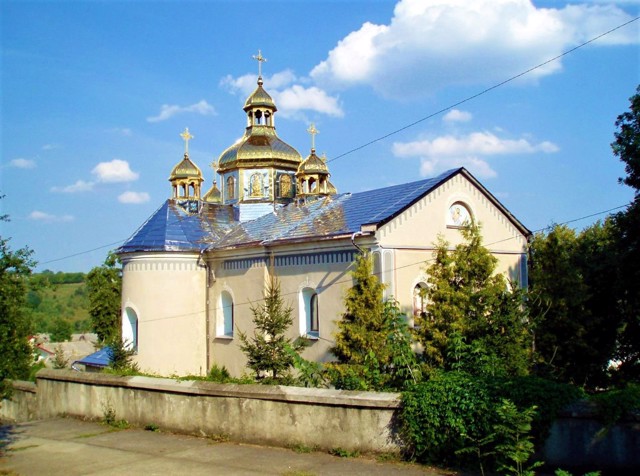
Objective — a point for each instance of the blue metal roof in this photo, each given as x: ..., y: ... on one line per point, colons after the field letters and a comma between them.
x: 217, y: 226
x: 171, y: 228
x: 101, y: 358
x: 334, y: 215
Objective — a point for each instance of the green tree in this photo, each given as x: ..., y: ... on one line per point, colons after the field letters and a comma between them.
x: 16, y: 354
x: 373, y: 344
x: 60, y: 330
x: 269, y: 351
x: 627, y: 148
x: 104, y: 288
x: 573, y: 302
x: 474, y: 320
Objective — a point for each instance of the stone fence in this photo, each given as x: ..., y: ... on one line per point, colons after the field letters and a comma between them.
x: 260, y: 414
x: 290, y: 416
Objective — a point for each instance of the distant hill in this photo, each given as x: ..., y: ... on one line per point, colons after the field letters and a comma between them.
x: 58, y: 304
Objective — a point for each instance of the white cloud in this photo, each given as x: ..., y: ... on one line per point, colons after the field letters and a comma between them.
x: 297, y: 98
x: 115, y: 171
x: 48, y: 218
x: 23, y: 163
x: 455, y: 115
x: 133, y: 197
x: 290, y: 97
x: 430, y: 44
x: 79, y: 186
x: 451, y: 151
x: 167, y: 111
x: 50, y: 146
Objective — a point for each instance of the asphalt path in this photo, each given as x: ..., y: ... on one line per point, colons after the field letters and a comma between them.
x: 67, y: 446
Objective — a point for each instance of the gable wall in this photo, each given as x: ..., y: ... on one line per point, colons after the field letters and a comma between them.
x: 409, y: 239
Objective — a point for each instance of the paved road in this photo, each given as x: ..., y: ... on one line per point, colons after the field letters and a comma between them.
x: 67, y: 446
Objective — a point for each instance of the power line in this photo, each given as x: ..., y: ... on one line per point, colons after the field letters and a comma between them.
x: 82, y: 252
x: 485, y: 91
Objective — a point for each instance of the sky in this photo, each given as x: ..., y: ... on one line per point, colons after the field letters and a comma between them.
x: 95, y: 95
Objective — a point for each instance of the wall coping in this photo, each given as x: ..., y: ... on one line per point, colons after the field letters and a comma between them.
x: 311, y: 396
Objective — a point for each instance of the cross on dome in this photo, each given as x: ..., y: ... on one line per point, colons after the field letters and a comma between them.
x: 313, y: 131
x: 260, y: 59
x: 186, y: 136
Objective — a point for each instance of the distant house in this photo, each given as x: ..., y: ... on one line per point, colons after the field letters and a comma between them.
x: 94, y: 362
x: 71, y: 351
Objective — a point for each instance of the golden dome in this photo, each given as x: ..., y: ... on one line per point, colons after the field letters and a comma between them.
x: 259, y: 98
x: 313, y: 165
x: 185, y: 169
x: 260, y: 147
x: 213, y: 195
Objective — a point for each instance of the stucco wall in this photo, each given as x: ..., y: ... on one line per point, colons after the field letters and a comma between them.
x: 167, y: 291
x: 273, y: 415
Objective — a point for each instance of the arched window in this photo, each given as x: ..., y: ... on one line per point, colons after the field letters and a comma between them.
x: 420, y: 300
x: 309, y: 315
x: 256, y: 185
x: 130, y: 329
x: 231, y: 188
x: 459, y: 215
x: 225, y: 323
x: 285, y: 186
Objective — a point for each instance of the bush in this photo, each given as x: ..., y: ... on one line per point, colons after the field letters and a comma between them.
x: 548, y: 396
x: 456, y: 418
x: 441, y: 415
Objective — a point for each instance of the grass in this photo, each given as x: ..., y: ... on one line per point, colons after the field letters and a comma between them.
x: 301, y: 448
x: 342, y: 453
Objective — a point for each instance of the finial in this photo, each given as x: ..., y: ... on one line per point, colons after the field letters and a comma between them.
x: 186, y: 136
x: 313, y: 131
x: 323, y: 157
x: 260, y: 59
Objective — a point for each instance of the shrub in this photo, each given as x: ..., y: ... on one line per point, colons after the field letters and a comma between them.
x: 441, y: 415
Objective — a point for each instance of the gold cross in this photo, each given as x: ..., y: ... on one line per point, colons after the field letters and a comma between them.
x: 313, y: 131
x: 260, y: 59
x: 186, y: 137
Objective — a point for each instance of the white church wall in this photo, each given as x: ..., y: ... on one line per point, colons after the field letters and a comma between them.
x: 298, y: 268
x: 167, y: 293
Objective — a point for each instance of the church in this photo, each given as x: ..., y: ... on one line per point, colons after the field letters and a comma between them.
x: 194, y: 269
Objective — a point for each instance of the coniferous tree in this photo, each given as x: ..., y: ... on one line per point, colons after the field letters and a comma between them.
x: 16, y: 354
x: 372, y: 345
x: 104, y: 288
x: 474, y: 320
x: 269, y: 351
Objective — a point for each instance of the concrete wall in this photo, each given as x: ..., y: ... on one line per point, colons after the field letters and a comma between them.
x: 273, y: 415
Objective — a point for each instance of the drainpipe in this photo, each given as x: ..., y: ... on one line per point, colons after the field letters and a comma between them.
x: 353, y: 240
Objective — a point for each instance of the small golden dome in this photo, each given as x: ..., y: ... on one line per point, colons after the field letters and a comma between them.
x: 185, y: 169
x: 213, y: 195
x: 313, y: 165
x: 259, y: 98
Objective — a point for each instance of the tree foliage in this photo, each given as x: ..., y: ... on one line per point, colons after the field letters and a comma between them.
x: 16, y: 354
x: 474, y: 320
x: 573, y: 302
x: 373, y: 344
x: 627, y: 148
x: 104, y: 287
x: 269, y: 351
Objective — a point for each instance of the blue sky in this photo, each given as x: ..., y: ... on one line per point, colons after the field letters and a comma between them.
x: 96, y: 94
